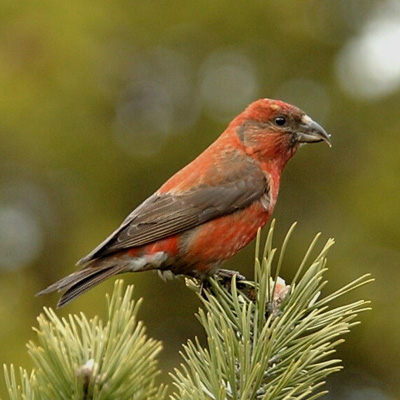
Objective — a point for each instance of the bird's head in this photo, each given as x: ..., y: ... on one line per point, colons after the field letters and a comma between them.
x: 272, y: 130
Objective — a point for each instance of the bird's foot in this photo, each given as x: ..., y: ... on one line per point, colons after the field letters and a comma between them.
x: 166, y: 274
x: 227, y: 274
x: 224, y: 276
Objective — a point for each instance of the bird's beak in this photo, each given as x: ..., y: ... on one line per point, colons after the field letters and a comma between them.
x: 311, y: 132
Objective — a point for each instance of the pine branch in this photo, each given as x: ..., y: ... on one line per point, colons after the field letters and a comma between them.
x: 77, y: 358
x: 265, y: 340
x: 268, y: 340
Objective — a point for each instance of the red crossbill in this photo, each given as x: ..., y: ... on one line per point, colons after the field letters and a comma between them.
x: 210, y: 209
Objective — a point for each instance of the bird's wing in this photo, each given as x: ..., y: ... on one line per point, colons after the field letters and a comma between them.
x: 166, y: 214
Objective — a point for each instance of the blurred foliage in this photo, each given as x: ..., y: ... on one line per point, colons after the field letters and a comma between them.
x: 102, y: 101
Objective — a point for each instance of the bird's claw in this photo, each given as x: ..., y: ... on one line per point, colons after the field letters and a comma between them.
x: 227, y: 274
x: 225, y: 278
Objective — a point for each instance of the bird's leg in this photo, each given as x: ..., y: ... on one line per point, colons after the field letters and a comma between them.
x: 225, y: 277
x: 227, y: 274
x: 166, y: 274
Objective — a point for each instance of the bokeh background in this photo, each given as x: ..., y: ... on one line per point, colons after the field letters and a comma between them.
x: 100, y: 102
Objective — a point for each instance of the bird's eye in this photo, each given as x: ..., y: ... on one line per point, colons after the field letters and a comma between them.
x: 280, y: 120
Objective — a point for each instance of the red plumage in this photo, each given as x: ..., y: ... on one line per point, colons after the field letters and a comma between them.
x: 211, y: 208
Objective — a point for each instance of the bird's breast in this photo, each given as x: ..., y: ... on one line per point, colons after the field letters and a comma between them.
x: 221, y: 238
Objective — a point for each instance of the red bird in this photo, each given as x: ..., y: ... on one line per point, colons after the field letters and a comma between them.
x: 210, y: 209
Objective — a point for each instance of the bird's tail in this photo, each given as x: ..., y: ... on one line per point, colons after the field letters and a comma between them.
x: 81, y: 281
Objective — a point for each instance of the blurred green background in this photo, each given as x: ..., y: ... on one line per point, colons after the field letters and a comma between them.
x: 100, y: 102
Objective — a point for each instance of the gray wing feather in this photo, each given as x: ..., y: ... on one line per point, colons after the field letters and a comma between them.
x: 165, y: 214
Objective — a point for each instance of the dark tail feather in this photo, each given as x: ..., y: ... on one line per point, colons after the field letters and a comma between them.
x: 81, y: 281
x: 87, y: 283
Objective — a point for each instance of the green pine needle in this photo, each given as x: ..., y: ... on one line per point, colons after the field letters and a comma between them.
x: 265, y: 340
x: 268, y: 341
x: 77, y: 358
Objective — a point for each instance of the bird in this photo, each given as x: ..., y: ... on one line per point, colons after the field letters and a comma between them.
x: 210, y: 209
